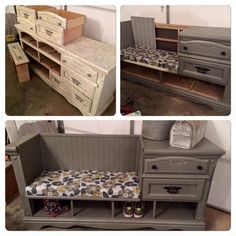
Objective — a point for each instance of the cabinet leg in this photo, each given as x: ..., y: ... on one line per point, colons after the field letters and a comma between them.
x: 154, y: 209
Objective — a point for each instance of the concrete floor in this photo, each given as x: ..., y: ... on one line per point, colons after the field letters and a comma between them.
x: 216, y: 220
x: 152, y: 102
x: 36, y: 98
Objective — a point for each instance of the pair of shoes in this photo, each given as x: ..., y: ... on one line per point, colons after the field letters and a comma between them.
x: 131, y: 209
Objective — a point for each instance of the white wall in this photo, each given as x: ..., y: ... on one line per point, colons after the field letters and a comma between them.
x: 156, y: 12
x: 219, y: 132
x: 100, y: 22
x: 215, y: 16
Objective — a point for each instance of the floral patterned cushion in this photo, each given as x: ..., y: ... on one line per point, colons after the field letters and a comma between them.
x: 85, y: 183
x: 160, y: 59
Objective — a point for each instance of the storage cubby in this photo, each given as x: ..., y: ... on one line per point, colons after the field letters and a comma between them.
x: 39, y: 69
x: 31, y: 51
x: 173, y: 81
x: 38, y: 207
x: 26, y: 38
x: 50, y: 51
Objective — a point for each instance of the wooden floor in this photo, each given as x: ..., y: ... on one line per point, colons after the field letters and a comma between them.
x: 216, y: 220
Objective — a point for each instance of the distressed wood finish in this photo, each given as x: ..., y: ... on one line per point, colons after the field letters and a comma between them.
x: 20, y: 60
x: 82, y: 71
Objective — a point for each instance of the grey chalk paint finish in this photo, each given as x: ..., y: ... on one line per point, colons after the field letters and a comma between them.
x: 174, y: 182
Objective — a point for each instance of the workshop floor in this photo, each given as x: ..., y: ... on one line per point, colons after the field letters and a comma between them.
x: 151, y: 102
x: 36, y: 98
x: 216, y: 220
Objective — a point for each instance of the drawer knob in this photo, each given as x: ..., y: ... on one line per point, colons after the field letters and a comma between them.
x: 59, y: 23
x: 40, y: 17
x: 172, y: 189
x: 154, y: 167
x: 223, y: 53
x: 89, y: 75
x: 199, y: 167
x: 185, y: 48
x: 64, y: 61
x: 31, y: 28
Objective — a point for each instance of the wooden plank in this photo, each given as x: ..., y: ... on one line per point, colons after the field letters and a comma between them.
x: 167, y: 40
x: 23, y: 72
x: 17, y: 54
x: 172, y: 26
x: 144, y: 31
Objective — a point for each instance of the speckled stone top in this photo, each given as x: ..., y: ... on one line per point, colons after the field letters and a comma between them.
x: 100, y: 54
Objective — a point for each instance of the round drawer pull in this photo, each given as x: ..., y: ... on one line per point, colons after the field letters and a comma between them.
x: 154, y: 167
x: 185, y: 48
x: 223, y: 53
x: 40, y: 17
x: 199, y: 167
x: 64, y: 61
x: 89, y: 75
x: 59, y: 23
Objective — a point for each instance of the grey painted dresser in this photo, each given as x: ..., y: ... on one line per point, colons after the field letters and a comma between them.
x: 205, y: 53
x: 172, y: 183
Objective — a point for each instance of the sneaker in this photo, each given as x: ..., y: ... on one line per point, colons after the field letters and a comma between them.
x: 138, y: 210
x: 128, y: 210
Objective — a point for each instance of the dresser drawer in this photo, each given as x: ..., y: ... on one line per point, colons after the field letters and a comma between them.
x: 50, y: 33
x: 204, y: 70
x: 58, y: 84
x: 78, y: 99
x: 79, y: 67
x: 26, y: 13
x: 175, y: 164
x: 31, y: 27
x: 52, y: 19
x: 61, y: 18
x: 29, y: 13
x: 205, y: 48
x: 83, y: 85
x: 173, y: 189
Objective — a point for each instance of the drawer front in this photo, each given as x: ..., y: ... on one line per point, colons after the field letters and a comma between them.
x: 204, y: 70
x: 173, y: 189
x: 26, y: 13
x: 52, y: 19
x: 83, y: 85
x: 78, y: 99
x: 175, y: 164
x: 205, y: 48
x: 80, y: 67
x: 50, y: 33
x: 31, y: 27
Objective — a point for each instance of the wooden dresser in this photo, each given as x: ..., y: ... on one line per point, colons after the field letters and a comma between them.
x: 79, y: 68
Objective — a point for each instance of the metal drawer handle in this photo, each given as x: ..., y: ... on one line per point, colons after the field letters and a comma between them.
x: 48, y: 32
x: 76, y: 82
x: 78, y: 98
x: 223, y: 53
x: 185, y: 48
x: 199, y: 167
x: 172, y: 189
x: 202, y: 70
x: 26, y: 15
x: 154, y: 167
x: 57, y: 81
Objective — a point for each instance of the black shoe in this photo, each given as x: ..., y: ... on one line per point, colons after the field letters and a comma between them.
x: 128, y: 210
x: 138, y: 210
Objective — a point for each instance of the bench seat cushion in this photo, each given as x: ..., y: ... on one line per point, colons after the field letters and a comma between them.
x: 156, y: 59
x: 85, y: 183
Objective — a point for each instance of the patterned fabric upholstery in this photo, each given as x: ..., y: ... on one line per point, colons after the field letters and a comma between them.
x: 85, y: 183
x: 159, y: 59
